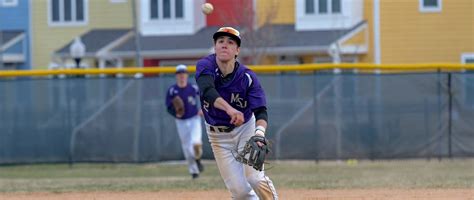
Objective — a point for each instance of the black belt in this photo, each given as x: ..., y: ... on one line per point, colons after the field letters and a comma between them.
x: 224, y: 129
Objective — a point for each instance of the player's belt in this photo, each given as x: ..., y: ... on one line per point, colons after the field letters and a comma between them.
x: 224, y: 129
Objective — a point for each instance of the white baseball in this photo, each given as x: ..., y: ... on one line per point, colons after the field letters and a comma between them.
x: 207, y: 8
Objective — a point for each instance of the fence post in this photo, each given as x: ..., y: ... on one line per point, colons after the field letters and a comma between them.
x: 450, y: 114
x: 316, y: 116
x: 66, y: 88
x: 137, y: 120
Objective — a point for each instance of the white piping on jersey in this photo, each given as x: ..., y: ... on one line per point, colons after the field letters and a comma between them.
x: 195, y: 87
x: 250, y: 79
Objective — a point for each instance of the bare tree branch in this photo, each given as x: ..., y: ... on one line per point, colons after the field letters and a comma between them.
x: 256, y: 40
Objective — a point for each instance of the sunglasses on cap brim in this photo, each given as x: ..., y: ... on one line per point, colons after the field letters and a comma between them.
x: 229, y: 30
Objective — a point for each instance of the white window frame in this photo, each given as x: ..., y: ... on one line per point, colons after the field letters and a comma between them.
x: 6, y: 3
x: 73, y: 21
x: 430, y: 9
x: 172, y: 11
x: 466, y: 56
x: 329, y: 8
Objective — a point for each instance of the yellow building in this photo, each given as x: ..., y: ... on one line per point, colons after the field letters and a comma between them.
x: 402, y: 31
x: 421, y: 31
x: 54, y: 23
x: 279, y: 32
x: 315, y: 30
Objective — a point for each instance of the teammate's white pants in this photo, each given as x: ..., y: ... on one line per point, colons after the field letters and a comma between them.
x: 190, y: 134
x: 243, y: 181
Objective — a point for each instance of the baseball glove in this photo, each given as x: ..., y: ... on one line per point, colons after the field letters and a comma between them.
x: 178, y: 106
x: 253, y: 154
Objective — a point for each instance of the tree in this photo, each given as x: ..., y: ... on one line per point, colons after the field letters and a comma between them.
x: 257, y: 36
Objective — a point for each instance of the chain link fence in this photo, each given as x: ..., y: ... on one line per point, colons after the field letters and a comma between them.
x: 317, y: 115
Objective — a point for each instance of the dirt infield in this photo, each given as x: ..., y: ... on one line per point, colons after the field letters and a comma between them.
x: 350, y: 194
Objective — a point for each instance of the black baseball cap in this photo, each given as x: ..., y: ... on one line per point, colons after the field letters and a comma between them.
x: 228, y: 31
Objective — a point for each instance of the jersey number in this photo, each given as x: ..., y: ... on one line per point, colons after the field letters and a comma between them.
x: 205, y: 106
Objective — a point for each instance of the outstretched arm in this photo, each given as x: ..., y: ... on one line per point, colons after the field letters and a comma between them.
x: 236, y: 117
x: 210, y: 95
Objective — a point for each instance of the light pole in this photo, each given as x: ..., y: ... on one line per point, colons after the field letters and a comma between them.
x: 77, y: 50
x: 138, y: 56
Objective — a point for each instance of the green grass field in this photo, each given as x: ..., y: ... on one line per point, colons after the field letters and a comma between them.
x: 457, y: 173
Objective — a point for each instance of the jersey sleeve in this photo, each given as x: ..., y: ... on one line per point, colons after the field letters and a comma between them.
x: 169, y: 96
x: 256, y: 95
x: 196, y: 88
x: 204, y: 67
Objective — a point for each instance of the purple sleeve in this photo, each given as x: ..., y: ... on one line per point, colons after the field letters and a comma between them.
x: 169, y: 96
x: 204, y: 66
x: 196, y: 88
x: 256, y: 95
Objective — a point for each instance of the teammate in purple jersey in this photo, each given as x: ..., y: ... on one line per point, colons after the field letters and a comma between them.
x: 189, y: 124
x: 234, y: 106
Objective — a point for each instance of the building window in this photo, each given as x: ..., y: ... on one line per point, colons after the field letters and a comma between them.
x: 8, y: 3
x: 309, y: 6
x: 68, y: 12
x: 166, y: 9
x: 179, y: 9
x: 323, y: 6
x: 467, y: 58
x: 430, y: 5
x: 336, y: 6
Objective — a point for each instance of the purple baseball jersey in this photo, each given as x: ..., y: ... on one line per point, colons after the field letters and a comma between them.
x: 243, y: 92
x: 189, y: 96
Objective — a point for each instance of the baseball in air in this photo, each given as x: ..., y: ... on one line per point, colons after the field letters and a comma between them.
x: 207, y: 8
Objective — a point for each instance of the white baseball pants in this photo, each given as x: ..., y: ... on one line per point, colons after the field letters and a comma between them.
x: 190, y: 134
x: 243, y: 181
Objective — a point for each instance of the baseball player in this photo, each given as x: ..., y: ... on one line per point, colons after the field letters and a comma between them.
x: 234, y: 107
x: 182, y: 103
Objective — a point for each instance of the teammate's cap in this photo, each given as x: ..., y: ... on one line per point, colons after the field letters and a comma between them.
x: 181, y: 69
x: 228, y: 31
